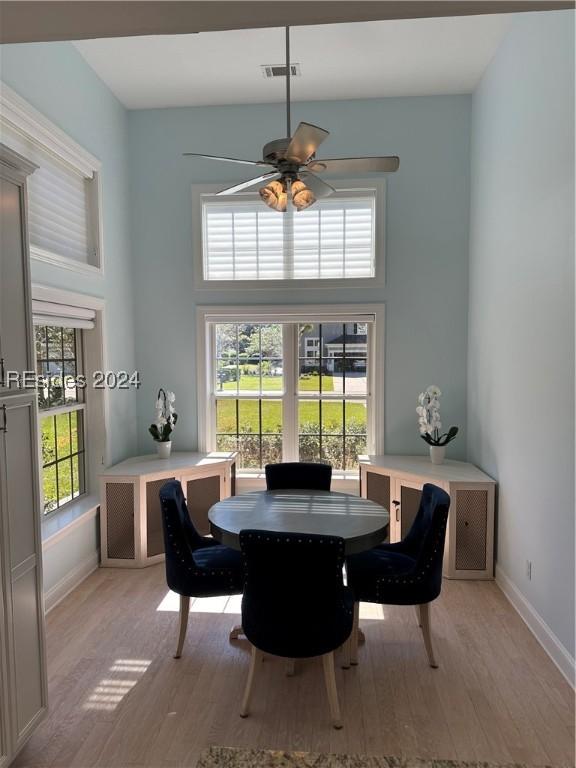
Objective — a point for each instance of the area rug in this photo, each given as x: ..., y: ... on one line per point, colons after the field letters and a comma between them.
x: 231, y: 757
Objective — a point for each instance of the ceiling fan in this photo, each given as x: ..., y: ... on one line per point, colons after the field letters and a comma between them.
x: 291, y: 164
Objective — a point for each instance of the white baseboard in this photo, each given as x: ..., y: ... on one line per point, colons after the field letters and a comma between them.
x: 62, y: 588
x: 536, y: 624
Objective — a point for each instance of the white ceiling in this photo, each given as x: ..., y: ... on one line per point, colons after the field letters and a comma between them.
x: 413, y: 57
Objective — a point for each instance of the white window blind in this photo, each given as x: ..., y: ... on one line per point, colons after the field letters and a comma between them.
x: 64, y: 315
x: 59, y: 202
x: 334, y: 239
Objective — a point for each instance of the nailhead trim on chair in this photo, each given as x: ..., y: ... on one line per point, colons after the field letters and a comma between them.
x: 417, y: 577
x: 288, y: 539
x: 200, y: 573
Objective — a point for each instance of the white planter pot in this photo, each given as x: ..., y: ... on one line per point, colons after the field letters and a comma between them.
x: 164, y: 449
x: 437, y: 453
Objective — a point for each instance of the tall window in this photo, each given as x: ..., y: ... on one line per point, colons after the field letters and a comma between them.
x: 291, y: 391
x: 61, y: 405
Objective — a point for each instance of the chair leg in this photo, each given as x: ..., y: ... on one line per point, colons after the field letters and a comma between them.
x: 290, y: 667
x: 417, y: 612
x: 256, y: 657
x: 346, y: 652
x: 235, y: 632
x: 330, y: 680
x: 354, y: 636
x: 184, y: 611
x: 425, y: 624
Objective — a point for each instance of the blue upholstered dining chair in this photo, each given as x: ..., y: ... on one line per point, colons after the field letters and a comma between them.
x: 196, y: 566
x: 295, y: 604
x: 298, y: 474
x: 406, y: 573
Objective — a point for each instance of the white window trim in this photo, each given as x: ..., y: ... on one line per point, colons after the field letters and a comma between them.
x: 96, y: 406
x: 18, y: 114
x: 320, y: 313
x: 343, y: 186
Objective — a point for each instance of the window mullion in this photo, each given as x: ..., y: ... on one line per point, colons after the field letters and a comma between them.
x: 290, y: 398
x: 212, y: 373
x: 57, y: 410
x: 288, y: 233
x: 370, y: 373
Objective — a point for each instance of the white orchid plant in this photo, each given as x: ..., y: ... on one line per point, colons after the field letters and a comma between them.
x: 166, y: 417
x: 429, y: 423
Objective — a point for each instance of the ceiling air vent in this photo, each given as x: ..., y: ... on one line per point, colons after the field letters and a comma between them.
x: 279, y: 70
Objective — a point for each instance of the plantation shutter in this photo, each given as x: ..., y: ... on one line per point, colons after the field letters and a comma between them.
x: 334, y: 239
x: 242, y: 241
x: 58, y: 202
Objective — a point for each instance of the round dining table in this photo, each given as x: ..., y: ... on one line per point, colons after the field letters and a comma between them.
x: 362, y: 524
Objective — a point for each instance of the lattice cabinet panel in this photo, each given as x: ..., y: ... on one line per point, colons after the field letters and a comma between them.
x: 409, y: 504
x: 396, y: 483
x: 130, y: 514
x: 471, y: 529
x: 120, y: 529
x: 201, y: 494
x: 154, y: 533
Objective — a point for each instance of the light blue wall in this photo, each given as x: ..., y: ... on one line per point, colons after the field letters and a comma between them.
x: 56, y: 80
x: 426, y: 259
x: 521, y: 322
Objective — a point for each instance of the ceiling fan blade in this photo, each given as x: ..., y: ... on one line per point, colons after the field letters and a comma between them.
x: 227, y: 159
x: 356, y: 165
x: 305, y: 142
x: 250, y: 183
x: 316, y: 185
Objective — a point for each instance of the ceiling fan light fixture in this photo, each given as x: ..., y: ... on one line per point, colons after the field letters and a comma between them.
x: 285, y: 159
x: 275, y: 195
x: 302, y: 196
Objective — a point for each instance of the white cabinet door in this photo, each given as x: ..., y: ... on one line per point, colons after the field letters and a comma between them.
x: 4, y: 692
x: 22, y: 565
x: 201, y: 493
x: 14, y: 327
x: 405, y: 504
x: 378, y: 487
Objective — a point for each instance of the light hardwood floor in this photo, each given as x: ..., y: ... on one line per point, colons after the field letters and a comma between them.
x: 118, y: 698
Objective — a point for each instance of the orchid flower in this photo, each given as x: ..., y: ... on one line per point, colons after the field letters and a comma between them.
x: 429, y: 422
x: 166, y: 417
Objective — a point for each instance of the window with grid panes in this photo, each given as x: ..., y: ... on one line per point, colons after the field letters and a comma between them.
x: 61, y: 410
x: 291, y: 391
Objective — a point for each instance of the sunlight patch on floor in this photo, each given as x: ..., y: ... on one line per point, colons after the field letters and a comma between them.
x: 110, y: 691
x: 232, y: 604
x: 225, y: 604
x: 372, y: 612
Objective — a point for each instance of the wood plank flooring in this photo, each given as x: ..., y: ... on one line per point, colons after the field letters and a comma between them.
x: 119, y: 700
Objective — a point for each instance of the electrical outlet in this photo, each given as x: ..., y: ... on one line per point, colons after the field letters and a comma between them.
x: 529, y: 570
